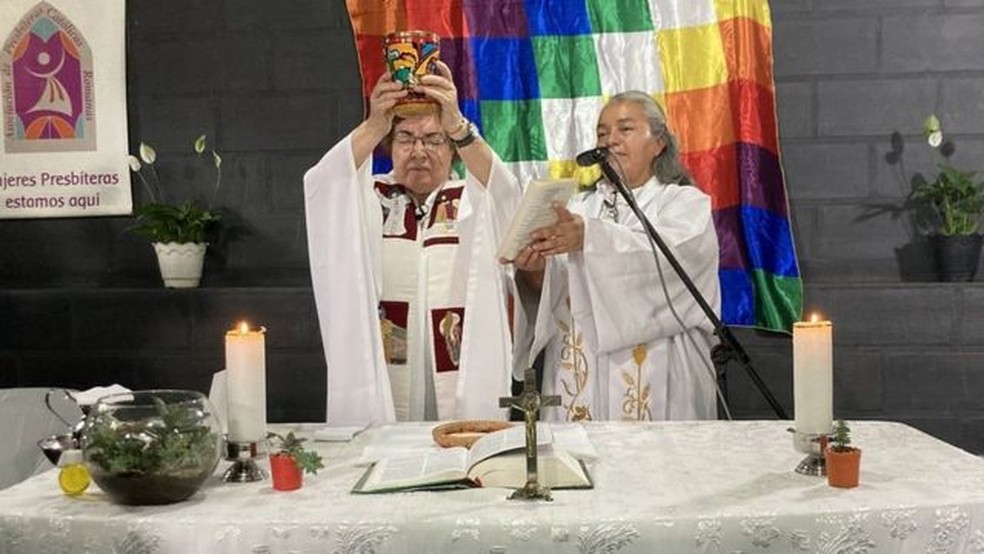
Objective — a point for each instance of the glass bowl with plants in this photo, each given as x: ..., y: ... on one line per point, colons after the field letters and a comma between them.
x: 151, y: 447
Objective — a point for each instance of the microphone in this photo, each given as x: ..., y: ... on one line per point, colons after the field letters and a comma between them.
x: 593, y: 156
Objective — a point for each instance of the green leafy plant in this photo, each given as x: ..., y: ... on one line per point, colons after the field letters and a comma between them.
x: 291, y: 446
x: 955, y: 196
x: 165, y: 222
x: 841, y: 441
x: 176, y: 439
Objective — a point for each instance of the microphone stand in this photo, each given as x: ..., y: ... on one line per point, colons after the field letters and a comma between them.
x: 728, y: 348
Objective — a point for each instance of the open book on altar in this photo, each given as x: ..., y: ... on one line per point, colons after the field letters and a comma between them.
x: 495, y: 460
x: 535, y: 211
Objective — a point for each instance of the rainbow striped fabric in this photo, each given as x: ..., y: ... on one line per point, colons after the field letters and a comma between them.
x: 534, y: 74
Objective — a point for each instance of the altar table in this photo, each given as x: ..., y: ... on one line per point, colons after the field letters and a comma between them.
x: 664, y: 487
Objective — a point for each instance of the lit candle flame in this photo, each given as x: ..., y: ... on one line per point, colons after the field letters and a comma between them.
x: 814, y: 318
x: 243, y: 328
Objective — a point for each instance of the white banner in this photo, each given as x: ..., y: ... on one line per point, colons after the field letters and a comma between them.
x: 63, y: 100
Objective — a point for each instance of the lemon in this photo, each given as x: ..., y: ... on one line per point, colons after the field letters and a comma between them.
x: 74, y: 476
x: 74, y: 479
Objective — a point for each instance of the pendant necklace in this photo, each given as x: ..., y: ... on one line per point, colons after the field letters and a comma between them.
x: 610, y: 205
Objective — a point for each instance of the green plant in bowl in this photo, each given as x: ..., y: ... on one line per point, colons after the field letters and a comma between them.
x: 151, y: 447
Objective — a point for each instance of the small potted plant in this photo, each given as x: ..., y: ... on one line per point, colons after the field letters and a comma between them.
x: 289, y: 460
x: 956, y: 199
x: 843, y: 460
x: 178, y: 231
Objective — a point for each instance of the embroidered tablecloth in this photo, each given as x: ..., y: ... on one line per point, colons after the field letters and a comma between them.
x: 663, y: 487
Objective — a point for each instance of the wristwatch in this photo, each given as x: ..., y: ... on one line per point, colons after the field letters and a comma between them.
x: 470, y: 136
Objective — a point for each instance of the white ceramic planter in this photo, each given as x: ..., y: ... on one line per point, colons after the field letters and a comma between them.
x: 180, y: 263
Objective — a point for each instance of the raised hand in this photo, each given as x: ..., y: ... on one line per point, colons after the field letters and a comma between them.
x: 370, y: 132
x: 441, y: 88
x: 566, y: 235
x: 384, y: 96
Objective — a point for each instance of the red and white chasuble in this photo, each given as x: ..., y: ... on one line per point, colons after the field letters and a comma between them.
x: 411, y: 302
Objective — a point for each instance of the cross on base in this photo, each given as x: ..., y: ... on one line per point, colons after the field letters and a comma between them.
x: 529, y: 402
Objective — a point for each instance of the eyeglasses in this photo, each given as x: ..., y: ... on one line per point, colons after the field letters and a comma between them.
x: 430, y: 141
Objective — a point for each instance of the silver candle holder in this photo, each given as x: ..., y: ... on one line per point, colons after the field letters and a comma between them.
x: 243, y: 456
x: 811, y: 444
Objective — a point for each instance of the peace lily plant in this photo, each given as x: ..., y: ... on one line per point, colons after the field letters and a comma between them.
x: 163, y: 222
x: 956, y: 197
x: 178, y: 231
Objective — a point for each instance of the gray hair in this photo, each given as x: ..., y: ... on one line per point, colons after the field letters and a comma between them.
x: 667, y: 167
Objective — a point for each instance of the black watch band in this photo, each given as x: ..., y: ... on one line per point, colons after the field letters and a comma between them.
x: 469, y: 137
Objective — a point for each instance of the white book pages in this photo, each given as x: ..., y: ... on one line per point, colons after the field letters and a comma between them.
x: 535, y: 211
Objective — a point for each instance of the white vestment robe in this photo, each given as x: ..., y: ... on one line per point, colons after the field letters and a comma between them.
x: 412, y: 303
x: 614, y: 350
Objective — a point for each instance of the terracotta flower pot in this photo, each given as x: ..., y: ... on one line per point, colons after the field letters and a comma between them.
x: 286, y: 475
x: 843, y: 468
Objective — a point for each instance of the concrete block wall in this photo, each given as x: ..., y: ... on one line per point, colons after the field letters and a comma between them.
x: 910, y: 352
x: 274, y: 85
x: 157, y: 338
x: 851, y: 78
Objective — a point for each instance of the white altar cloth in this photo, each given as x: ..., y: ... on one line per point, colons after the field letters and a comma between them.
x: 665, y: 487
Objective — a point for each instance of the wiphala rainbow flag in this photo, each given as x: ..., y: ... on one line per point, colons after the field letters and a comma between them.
x: 534, y: 74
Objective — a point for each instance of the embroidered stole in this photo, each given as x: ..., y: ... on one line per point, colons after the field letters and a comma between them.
x: 600, y: 386
x: 421, y: 324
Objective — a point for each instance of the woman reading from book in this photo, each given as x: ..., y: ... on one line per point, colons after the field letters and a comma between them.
x: 624, y: 339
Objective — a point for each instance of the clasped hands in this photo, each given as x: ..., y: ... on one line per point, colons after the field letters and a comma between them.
x: 566, y: 235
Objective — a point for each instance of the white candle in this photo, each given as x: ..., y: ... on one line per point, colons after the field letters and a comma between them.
x: 245, y: 352
x: 813, y: 380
